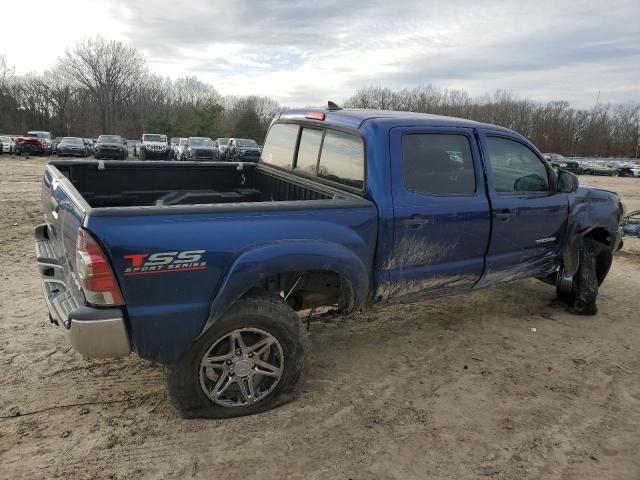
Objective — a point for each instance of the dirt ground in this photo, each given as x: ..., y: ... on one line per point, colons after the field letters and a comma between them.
x: 500, y: 384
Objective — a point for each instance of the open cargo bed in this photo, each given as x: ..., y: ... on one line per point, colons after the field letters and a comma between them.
x: 145, y: 184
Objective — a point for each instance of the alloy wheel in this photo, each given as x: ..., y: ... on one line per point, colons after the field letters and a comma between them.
x: 243, y: 367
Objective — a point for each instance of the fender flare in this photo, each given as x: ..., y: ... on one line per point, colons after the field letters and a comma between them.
x: 283, y: 257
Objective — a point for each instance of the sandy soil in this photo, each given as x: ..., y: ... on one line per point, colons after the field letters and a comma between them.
x: 459, y: 388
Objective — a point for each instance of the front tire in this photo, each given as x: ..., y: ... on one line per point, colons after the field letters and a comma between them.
x: 251, y: 360
x: 580, y: 293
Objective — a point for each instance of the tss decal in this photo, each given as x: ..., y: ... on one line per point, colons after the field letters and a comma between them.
x: 159, y: 262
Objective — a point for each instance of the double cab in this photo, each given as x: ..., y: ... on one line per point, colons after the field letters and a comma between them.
x: 212, y: 269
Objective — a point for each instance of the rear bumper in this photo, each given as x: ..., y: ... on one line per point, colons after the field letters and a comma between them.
x: 93, y: 332
x: 30, y: 149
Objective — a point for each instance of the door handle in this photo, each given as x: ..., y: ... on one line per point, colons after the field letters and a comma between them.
x: 505, y: 214
x: 414, y: 221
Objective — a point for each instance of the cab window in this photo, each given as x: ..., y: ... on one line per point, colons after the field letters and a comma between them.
x: 516, y: 168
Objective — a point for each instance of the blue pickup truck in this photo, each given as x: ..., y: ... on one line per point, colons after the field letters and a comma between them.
x: 203, y: 267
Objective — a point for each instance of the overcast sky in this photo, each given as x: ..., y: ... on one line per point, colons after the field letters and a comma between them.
x: 303, y: 52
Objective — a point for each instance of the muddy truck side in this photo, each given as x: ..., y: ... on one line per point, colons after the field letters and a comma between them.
x: 205, y: 267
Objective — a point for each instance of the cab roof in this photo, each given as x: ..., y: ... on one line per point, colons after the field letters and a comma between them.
x: 355, y: 118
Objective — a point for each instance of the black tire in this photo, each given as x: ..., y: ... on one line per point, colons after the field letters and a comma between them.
x: 142, y: 154
x: 594, y: 263
x: 261, y: 311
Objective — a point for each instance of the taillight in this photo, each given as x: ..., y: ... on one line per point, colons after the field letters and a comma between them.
x: 96, y: 277
x: 315, y: 115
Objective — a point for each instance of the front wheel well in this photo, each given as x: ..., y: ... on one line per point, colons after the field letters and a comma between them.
x: 310, y: 289
x: 600, y: 235
x: 603, y: 256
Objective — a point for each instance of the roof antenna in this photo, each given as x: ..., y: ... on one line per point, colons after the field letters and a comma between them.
x: 333, y: 106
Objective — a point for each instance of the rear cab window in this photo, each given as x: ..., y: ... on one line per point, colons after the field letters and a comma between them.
x: 328, y: 154
x: 280, y: 145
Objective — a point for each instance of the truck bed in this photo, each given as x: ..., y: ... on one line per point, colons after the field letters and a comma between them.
x: 146, y: 184
x: 234, y: 219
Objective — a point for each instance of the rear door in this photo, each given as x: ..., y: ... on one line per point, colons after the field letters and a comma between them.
x: 441, y: 212
x: 529, y: 216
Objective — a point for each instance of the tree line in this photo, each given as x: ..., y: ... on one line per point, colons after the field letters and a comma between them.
x: 104, y: 86
x: 605, y: 130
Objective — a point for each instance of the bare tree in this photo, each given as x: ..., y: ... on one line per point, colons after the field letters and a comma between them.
x: 110, y: 72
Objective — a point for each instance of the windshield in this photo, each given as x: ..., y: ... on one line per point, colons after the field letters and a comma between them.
x: 39, y: 134
x: 110, y: 139
x: 223, y: 142
x: 183, y: 141
x: 201, y: 142
x: 4, y: 139
x: 72, y: 140
x: 246, y: 143
x: 154, y: 138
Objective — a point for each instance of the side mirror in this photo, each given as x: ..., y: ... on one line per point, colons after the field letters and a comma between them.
x: 567, y: 182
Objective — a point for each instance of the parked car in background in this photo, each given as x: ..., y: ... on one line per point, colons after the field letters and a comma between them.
x: 179, y: 149
x: 110, y: 146
x: 29, y: 145
x: 599, y: 168
x: 72, y: 147
x: 8, y: 143
x: 173, y: 145
x: 626, y: 169
x: 242, y: 150
x: 45, y: 139
x: 131, y: 147
x: 222, y: 147
x: 54, y: 144
x: 90, y: 144
x: 200, y: 148
x: 559, y: 162
x: 154, y: 146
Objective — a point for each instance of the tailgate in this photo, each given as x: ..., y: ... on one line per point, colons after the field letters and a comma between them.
x: 64, y: 211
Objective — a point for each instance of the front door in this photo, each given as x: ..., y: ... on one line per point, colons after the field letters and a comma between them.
x: 529, y: 216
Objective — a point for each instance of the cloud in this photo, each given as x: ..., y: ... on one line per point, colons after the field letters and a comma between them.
x: 302, y: 52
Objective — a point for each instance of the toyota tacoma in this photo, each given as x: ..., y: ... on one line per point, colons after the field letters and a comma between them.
x: 204, y: 267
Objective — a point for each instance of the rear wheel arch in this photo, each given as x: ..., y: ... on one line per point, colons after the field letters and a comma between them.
x: 268, y: 269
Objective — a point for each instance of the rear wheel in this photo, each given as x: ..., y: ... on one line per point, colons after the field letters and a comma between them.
x: 249, y: 361
x: 580, y: 292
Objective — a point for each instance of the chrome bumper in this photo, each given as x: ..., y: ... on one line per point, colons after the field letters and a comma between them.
x: 93, y: 332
